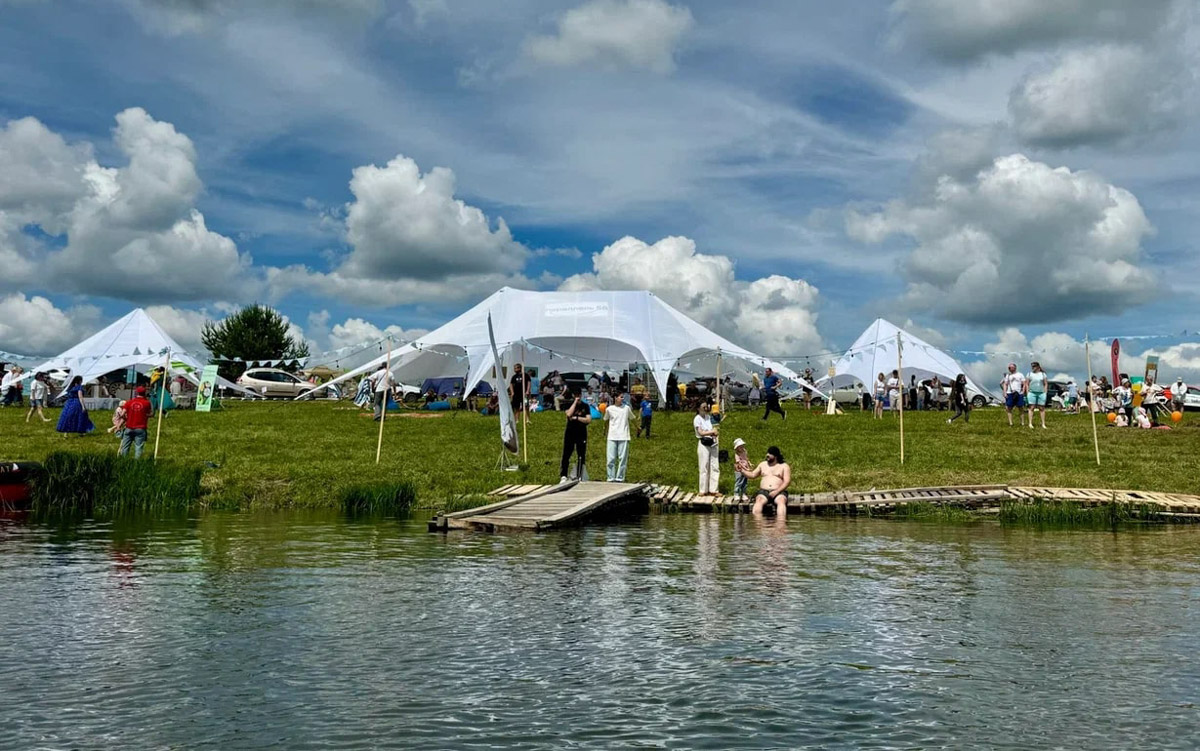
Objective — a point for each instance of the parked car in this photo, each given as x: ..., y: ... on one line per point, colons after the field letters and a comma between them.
x: 273, y: 382
x: 1191, y: 400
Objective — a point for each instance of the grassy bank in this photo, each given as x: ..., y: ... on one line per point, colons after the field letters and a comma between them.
x: 319, y: 454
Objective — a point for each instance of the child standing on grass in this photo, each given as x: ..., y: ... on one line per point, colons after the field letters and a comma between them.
x: 647, y: 416
x: 118, y: 426
x: 741, y: 465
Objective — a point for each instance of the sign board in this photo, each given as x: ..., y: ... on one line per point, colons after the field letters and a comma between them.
x: 208, y: 384
x: 1152, y: 367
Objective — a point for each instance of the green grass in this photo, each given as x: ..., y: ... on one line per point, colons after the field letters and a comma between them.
x: 107, y: 484
x: 1045, y: 513
x: 311, y: 454
x: 382, y: 498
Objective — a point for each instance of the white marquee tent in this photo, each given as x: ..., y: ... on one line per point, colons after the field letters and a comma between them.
x: 874, y: 352
x: 570, y: 331
x: 134, y: 341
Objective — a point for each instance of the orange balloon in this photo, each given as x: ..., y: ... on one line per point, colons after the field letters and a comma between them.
x: 1112, y: 416
x: 603, y: 406
x: 1176, y: 416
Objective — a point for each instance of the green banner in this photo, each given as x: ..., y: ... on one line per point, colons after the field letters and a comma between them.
x: 208, y: 384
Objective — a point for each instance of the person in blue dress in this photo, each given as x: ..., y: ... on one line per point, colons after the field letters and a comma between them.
x: 160, y: 392
x: 74, y: 417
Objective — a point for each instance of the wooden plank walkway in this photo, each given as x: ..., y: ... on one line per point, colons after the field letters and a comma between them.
x: 849, y: 501
x: 542, y: 507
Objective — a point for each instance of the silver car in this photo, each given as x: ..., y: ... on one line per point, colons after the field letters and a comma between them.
x: 273, y: 382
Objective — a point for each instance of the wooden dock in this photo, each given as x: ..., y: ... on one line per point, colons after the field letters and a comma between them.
x: 542, y: 507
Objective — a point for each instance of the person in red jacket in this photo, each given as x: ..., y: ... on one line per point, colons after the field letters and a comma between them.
x: 137, y: 420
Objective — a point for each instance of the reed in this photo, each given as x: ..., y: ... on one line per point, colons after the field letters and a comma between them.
x: 381, y: 498
x: 1046, y: 513
x: 106, y: 484
x: 933, y: 512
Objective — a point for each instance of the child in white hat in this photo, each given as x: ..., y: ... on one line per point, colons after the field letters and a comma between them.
x: 741, y: 465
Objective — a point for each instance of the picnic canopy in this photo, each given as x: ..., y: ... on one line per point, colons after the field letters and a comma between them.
x: 133, y: 341
x: 591, y: 331
x: 874, y: 352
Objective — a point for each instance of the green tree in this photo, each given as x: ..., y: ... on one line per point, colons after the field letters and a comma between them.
x: 255, y: 332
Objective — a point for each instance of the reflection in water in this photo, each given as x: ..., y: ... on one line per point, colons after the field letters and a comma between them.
x: 677, y: 631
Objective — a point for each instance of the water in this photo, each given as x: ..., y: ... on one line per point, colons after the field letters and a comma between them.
x: 675, y: 631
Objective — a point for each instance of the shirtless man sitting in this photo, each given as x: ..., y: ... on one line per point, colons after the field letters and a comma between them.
x: 776, y: 476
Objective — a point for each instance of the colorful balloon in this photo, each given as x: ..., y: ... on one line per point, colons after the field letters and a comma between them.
x: 1112, y: 416
x: 1176, y: 416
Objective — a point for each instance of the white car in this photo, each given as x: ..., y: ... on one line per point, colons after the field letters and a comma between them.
x: 1191, y: 400
x: 273, y: 382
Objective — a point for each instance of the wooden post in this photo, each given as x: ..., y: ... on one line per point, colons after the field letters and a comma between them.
x: 387, y: 394
x: 1087, y: 351
x: 524, y: 407
x: 900, y: 378
x: 162, y: 399
x: 720, y: 407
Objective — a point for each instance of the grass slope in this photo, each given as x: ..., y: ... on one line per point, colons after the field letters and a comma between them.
x: 310, y: 454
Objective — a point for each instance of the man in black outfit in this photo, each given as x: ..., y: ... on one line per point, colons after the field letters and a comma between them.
x: 518, y: 388
x: 771, y: 395
x: 575, y: 436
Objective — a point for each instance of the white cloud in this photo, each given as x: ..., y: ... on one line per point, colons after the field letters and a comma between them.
x: 614, y: 33
x: 181, y: 324
x: 966, y: 30
x: 131, y: 232
x: 412, y: 240
x: 1100, y: 94
x: 1020, y: 242
x: 773, y: 315
x: 177, y: 17
x: 33, y: 325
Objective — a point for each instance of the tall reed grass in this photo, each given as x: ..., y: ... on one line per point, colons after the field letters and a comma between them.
x: 1045, y: 513
x: 381, y: 498
x: 108, y: 484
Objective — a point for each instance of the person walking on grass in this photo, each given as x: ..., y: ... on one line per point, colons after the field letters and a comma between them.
x: 1035, y: 392
x: 137, y: 423
x: 618, y: 415
x: 38, y: 392
x: 880, y: 392
x: 647, y: 417
x: 1012, y: 385
x: 382, y: 383
x: 1178, y: 392
x: 770, y: 392
x: 707, y: 451
x: 74, y: 417
x: 579, y: 415
x: 959, y: 401
x: 894, y: 392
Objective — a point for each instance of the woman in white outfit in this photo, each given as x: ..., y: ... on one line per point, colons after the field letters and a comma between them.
x: 706, y: 450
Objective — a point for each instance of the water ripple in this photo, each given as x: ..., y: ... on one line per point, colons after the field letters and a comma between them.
x: 311, y: 631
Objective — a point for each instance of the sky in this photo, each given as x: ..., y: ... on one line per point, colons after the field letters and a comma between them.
x: 997, y: 177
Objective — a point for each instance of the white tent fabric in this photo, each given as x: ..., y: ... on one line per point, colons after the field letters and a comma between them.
x: 134, y: 341
x: 570, y: 331
x: 874, y: 352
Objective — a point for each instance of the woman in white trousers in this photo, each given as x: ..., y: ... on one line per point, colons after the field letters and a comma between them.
x: 706, y: 451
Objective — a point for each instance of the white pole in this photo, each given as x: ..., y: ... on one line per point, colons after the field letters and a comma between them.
x: 900, y: 378
x: 1087, y: 349
x: 720, y: 392
x: 387, y: 393
x: 162, y: 398
x: 524, y: 408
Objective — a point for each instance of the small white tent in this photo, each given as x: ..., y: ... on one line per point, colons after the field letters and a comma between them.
x: 133, y: 341
x: 569, y: 331
x: 874, y: 352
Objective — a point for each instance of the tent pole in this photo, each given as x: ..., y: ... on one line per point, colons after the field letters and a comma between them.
x: 900, y: 378
x: 1087, y: 350
x: 720, y: 408
x: 387, y: 394
x: 162, y: 398
x: 524, y: 406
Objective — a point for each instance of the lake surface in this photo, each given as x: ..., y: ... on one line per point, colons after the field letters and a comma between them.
x: 299, y: 631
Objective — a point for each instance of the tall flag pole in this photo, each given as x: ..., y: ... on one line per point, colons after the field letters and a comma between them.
x: 162, y: 398
x: 1092, y: 395
x: 900, y: 378
x: 387, y: 394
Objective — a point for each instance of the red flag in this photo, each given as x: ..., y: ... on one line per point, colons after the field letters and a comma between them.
x: 1116, y: 355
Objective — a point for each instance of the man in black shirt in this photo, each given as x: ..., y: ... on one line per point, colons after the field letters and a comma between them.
x: 518, y: 388
x: 579, y: 415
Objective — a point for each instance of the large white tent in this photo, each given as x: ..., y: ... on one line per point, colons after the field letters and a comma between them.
x: 133, y: 341
x: 570, y: 331
x: 874, y: 352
